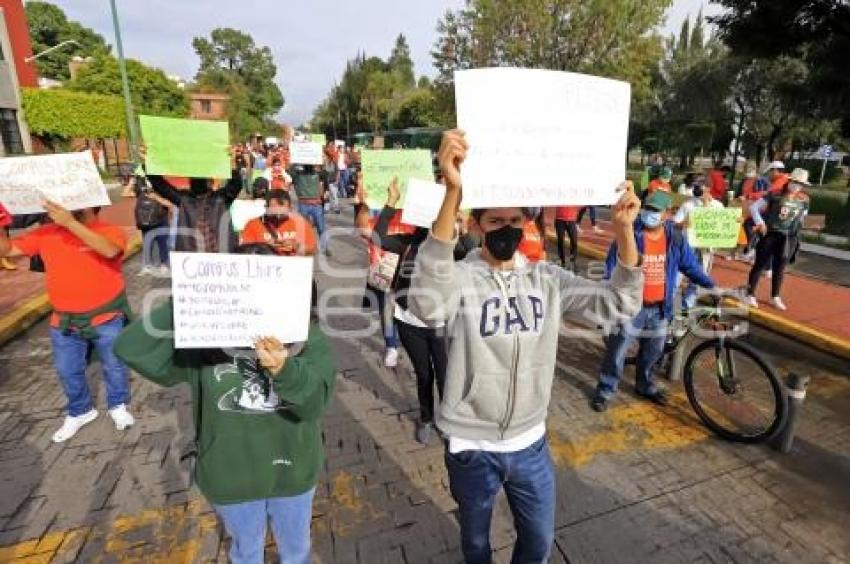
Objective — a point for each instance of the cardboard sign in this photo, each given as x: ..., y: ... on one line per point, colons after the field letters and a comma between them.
x: 422, y: 203
x: 226, y: 300
x: 306, y: 153
x: 186, y: 147
x: 71, y: 180
x: 714, y: 228
x: 243, y: 211
x: 380, y: 167
x: 541, y: 138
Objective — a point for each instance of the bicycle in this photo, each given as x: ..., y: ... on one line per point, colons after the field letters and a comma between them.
x: 732, y: 388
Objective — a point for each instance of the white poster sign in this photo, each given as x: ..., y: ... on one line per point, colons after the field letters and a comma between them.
x: 243, y: 211
x: 227, y: 300
x: 541, y: 138
x: 71, y: 180
x: 306, y: 153
x: 422, y: 202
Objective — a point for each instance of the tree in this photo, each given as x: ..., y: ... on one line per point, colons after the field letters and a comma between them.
x: 233, y: 64
x: 49, y: 27
x: 152, y: 92
x: 401, y: 63
x: 613, y: 38
x: 817, y: 32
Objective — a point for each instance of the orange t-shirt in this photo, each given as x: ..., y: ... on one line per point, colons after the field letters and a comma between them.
x: 295, y: 228
x: 717, y: 184
x: 532, y: 242
x: 396, y: 227
x: 779, y: 182
x: 658, y: 184
x: 77, y: 278
x: 654, y: 263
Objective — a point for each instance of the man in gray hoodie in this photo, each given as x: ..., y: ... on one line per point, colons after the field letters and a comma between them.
x: 502, y: 317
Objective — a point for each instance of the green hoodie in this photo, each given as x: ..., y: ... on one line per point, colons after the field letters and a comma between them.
x: 257, y: 437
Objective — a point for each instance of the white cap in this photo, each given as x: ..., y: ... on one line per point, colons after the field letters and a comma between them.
x: 775, y: 164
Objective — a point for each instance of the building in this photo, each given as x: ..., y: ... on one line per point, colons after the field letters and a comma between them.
x: 208, y: 105
x: 15, y: 72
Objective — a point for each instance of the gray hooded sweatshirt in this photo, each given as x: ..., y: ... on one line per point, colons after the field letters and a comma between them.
x: 502, y: 329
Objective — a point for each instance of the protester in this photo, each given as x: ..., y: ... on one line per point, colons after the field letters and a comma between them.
x: 701, y: 198
x: 566, y: 223
x: 533, y: 245
x: 591, y: 212
x: 344, y: 173
x: 277, y: 176
x: 287, y: 232
x: 85, y: 286
x: 243, y: 161
x: 776, y: 175
x: 203, y: 211
x: 331, y: 175
x: 311, y: 190
x: 778, y: 217
x: 5, y: 222
x: 152, y: 213
x: 257, y: 419
x: 753, y: 188
x: 717, y: 181
x: 503, y: 317
x: 666, y: 252
x: 660, y: 180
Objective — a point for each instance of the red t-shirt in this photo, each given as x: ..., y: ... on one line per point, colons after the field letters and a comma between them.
x: 658, y: 184
x: 654, y: 262
x: 567, y: 213
x: 295, y: 228
x: 77, y: 278
x: 396, y: 227
x: 532, y: 242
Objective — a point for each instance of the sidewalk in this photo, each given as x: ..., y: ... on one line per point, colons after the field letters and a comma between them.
x: 22, y: 297
x: 817, y: 310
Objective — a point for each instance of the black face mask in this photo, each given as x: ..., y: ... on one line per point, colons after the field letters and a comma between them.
x: 198, y: 186
x: 276, y: 219
x: 503, y: 242
x: 697, y: 190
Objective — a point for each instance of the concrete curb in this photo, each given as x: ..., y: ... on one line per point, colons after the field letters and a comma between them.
x: 793, y: 329
x: 34, y: 309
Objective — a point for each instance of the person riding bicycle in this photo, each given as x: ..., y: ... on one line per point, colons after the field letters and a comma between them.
x: 665, y: 253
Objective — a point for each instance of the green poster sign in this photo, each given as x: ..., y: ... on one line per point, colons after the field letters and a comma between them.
x: 381, y: 166
x: 184, y: 147
x: 714, y: 228
x: 319, y: 138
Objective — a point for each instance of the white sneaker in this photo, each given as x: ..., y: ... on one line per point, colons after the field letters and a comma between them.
x: 770, y: 274
x: 579, y: 229
x: 752, y: 302
x: 391, y: 358
x: 122, y: 417
x: 164, y: 271
x: 779, y: 304
x: 146, y: 271
x: 597, y: 230
x: 73, y: 424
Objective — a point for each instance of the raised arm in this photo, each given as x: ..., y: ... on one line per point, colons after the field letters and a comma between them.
x: 95, y: 241
x: 393, y: 243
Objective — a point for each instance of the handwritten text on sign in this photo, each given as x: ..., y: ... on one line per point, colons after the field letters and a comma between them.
x: 71, y: 180
x: 306, y: 153
x: 381, y: 166
x: 541, y: 138
x: 223, y: 300
x: 714, y: 228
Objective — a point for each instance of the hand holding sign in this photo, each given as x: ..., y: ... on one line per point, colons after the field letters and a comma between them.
x: 627, y: 207
x: 452, y: 153
x: 58, y: 214
x: 271, y: 353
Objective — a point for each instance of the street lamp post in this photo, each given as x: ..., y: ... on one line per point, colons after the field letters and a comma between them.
x: 125, y: 84
x: 31, y: 58
x: 738, y: 134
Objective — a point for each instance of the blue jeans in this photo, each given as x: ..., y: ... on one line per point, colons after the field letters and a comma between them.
x: 388, y: 328
x: 156, y: 237
x: 315, y: 213
x: 649, y: 328
x: 475, y: 477
x: 290, y: 517
x: 69, y: 358
x: 344, y: 179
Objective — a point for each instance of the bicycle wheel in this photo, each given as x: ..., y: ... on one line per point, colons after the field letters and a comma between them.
x: 734, y: 391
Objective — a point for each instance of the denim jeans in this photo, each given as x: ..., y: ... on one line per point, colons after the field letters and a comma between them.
x: 385, y: 311
x: 290, y: 518
x: 69, y: 358
x: 315, y: 213
x: 649, y: 328
x: 344, y: 179
x: 155, y: 238
x: 475, y: 477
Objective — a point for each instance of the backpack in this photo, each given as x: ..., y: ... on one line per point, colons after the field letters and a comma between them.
x: 149, y: 213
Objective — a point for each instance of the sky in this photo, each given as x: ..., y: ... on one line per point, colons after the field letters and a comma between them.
x: 311, y: 39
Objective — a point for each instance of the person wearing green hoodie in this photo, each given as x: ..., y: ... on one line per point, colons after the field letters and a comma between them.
x: 258, y: 435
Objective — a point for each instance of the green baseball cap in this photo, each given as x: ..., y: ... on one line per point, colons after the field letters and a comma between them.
x: 658, y: 201
x: 666, y: 173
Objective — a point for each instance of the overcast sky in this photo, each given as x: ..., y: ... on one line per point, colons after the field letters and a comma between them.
x: 311, y: 39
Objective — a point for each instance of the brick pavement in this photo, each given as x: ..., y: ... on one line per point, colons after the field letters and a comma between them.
x: 636, y: 484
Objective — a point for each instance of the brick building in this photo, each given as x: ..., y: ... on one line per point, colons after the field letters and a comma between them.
x: 208, y: 105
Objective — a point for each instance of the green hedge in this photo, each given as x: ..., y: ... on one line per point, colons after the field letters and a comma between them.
x: 837, y: 213
x: 66, y: 114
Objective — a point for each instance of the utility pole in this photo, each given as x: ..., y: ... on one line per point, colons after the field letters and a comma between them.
x: 125, y: 83
x: 738, y: 134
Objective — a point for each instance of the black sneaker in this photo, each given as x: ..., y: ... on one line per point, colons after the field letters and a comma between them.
x: 659, y: 397
x: 599, y: 403
x: 424, y: 432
